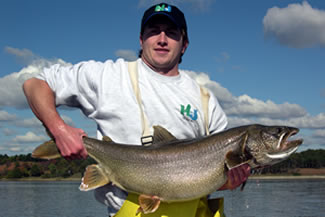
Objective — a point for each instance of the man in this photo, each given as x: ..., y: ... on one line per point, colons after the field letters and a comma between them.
x: 104, y: 93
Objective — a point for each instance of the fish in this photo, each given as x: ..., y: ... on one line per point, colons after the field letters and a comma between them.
x: 172, y: 170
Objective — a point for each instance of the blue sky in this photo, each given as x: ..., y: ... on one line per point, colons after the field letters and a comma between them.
x: 264, y: 60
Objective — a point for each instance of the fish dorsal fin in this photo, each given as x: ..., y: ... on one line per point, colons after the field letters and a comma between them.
x: 107, y: 139
x: 161, y: 135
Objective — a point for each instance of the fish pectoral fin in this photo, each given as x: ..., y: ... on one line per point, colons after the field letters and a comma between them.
x: 160, y: 135
x: 238, y: 157
x: 235, y: 160
x: 148, y: 204
x: 232, y: 160
x: 94, y: 177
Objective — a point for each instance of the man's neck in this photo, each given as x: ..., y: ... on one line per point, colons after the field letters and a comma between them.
x: 163, y: 71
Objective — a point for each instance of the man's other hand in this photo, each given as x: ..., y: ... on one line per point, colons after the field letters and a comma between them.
x: 236, y: 177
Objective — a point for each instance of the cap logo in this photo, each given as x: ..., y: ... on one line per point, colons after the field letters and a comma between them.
x: 163, y: 8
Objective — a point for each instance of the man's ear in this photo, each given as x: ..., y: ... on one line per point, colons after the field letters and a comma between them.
x: 185, y: 45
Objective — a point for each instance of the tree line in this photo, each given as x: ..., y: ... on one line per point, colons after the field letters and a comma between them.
x: 20, y: 166
x: 307, y: 159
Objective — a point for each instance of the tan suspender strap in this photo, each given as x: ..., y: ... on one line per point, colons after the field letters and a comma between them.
x: 205, y: 96
x: 146, y: 134
x: 133, y: 71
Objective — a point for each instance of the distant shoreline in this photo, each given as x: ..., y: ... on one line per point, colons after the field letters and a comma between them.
x: 279, y: 177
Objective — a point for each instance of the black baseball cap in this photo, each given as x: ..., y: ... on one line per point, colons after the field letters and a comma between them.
x: 170, y: 11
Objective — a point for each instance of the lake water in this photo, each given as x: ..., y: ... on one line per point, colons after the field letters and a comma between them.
x: 260, y: 198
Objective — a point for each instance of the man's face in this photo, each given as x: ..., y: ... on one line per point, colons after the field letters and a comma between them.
x: 162, y: 44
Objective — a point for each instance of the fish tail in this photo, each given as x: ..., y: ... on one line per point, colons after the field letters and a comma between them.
x: 47, y: 151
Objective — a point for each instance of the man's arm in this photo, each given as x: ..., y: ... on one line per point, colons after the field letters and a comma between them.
x: 41, y: 100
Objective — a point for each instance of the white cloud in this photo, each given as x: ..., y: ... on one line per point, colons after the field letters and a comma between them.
x: 11, y: 85
x: 316, y: 140
x: 246, y: 106
x: 29, y: 137
x: 36, y: 124
x: 223, y: 95
x: 238, y: 121
x: 28, y: 123
x: 307, y: 121
x: 311, y: 122
x: 15, y: 149
x: 24, y: 56
x: 5, y: 116
x: 320, y: 134
x: 128, y: 55
x: 298, y: 25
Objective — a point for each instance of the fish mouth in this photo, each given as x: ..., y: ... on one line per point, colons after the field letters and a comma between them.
x: 285, y: 146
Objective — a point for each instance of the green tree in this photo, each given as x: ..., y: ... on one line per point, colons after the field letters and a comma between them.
x: 35, y: 170
x: 53, y: 170
x: 15, y: 174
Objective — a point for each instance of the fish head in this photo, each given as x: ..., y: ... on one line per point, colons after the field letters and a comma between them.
x: 269, y: 145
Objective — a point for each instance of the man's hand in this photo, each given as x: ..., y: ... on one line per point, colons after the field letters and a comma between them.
x: 69, y: 141
x: 41, y: 99
x: 236, y: 176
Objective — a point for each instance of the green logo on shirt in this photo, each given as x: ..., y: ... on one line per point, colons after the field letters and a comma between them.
x: 187, y: 111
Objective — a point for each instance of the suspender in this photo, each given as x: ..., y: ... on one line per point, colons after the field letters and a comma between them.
x: 205, y: 96
x: 147, y: 138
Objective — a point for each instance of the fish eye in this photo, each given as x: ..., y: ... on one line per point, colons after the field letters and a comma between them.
x: 275, y: 131
x: 279, y: 130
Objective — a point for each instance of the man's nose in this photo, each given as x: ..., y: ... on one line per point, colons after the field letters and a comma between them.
x: 162, y: 38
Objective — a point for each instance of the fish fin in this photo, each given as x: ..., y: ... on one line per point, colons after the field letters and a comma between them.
x: 161, y: 135
x: 239, y: 157
x: 107, y: 139
x: 244, y: 142
x: 94, y: 177
x: 148, y: 204
x: 232, y: 159
x: 47, y: 151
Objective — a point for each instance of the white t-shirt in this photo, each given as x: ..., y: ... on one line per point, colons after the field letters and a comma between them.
x: 103, y: 91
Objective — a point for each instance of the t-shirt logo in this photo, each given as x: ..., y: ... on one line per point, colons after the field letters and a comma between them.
x: 187, y: 112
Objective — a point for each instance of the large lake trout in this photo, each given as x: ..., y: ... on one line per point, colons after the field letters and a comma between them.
x: 179, y: 170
